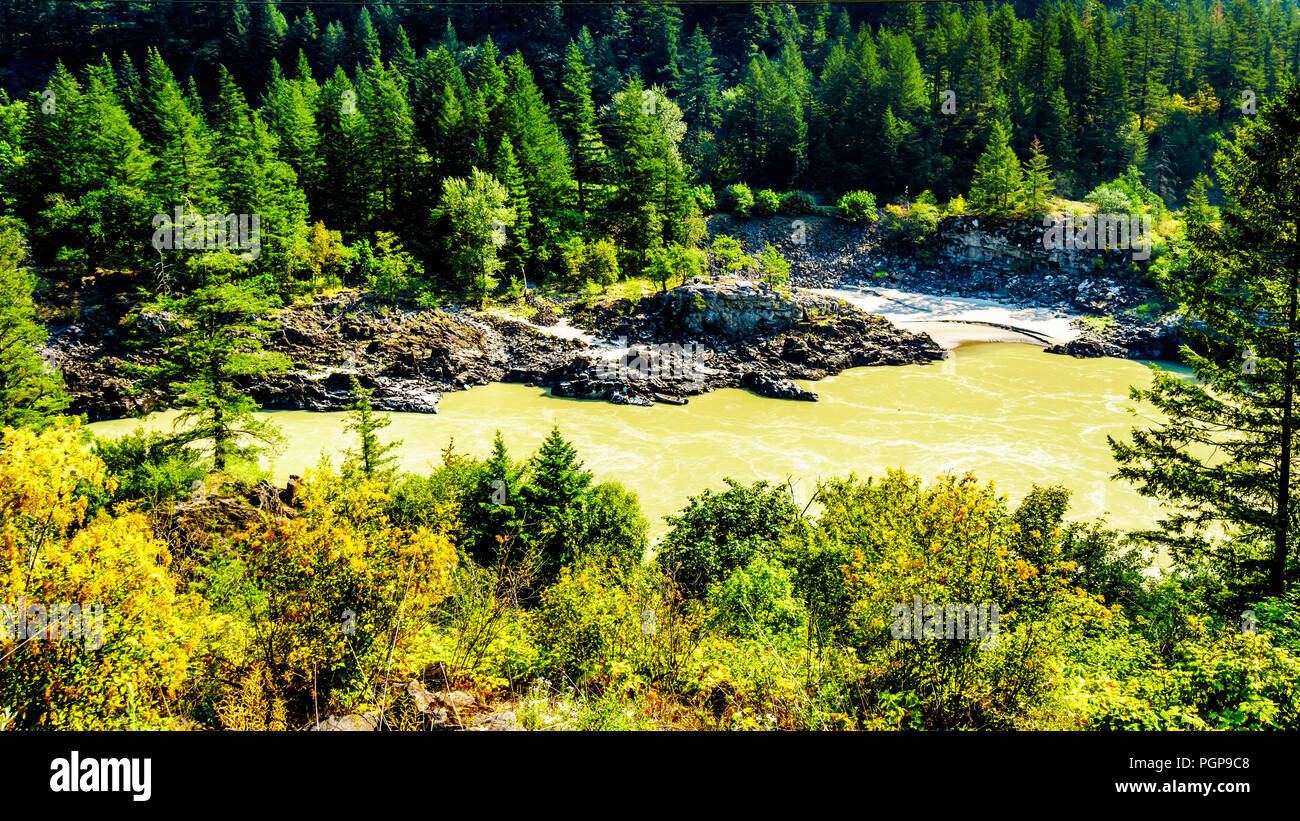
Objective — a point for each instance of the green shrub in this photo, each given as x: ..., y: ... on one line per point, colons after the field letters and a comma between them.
x: 718, y: 532
x: 756, y: 601
x: 727, y: 255
x: 150, y: 466
x: 613, y: 527
x: 766, y: 202
x: 858, y: 206
x: 1109, y: 199
x: 737, y: 199
x: 600, y: 263
x: 796, y: 204
x: 584, y: 616
x: 704, y: 198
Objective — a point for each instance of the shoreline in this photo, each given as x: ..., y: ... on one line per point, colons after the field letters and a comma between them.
x: 953, y: 321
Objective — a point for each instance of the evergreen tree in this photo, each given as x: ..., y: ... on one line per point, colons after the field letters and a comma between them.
x: 517, y: 251
x: 488, y: 79
x: 214, y: 347
x: 343, y: 196
x: 557, y: 486
x: 540, y: 150
x: 30, y: 392
x: 1039, y: 187
x: 252, y: 179
x: 366, y: 49
x: 698, y: 86
x: 178, y: 138
x: 997, y: 186
x: 289, y: 116
x: 371, y: 457
x: 387, y: 139
x: 578, y: 122
x: 1226, y: 454
x: 493, y: 507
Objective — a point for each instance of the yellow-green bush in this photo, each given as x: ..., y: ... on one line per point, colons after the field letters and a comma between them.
x: 53, y: 555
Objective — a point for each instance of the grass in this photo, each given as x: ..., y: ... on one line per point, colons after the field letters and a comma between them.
x: 1098, y: 324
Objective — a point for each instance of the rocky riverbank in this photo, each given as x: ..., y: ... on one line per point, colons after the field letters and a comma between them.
x: 694, y: 339
x: 978, y: 257
x: 704, y: 335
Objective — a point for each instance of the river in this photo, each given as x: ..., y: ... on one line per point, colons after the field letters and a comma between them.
x: 1005, y: 411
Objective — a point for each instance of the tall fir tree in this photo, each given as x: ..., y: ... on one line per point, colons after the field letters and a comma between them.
x: 1243, y: 285
x: 997, y: 187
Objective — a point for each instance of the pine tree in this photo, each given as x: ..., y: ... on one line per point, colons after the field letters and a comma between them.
x: 997, y: 186
x: 252, y: 179
x: 387, y: 138
x: 332, y: 48
x: 493, y: 507
x: 371, y: 457
x: 366, y: 50
x: 343, y: 196
x: 213, y: 349
x: 540, y: 150
x: 1198, y: 200
x: 289, y: 116
x: 699, y: 84
x: 517, y: 251
x: 1039, y: 187
x: 578, y: 122
x: 488, y: 79
x: 557, y: 486
x: 183, y: 174
x: 1243, y: 289
x: 31, y: 394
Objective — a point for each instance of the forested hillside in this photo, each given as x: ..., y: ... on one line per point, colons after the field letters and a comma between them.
x: 354, y: 130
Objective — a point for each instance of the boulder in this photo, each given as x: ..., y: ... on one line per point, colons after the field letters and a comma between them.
x: 775, y: 388
x: 503, y: 721
x: 350, y: 723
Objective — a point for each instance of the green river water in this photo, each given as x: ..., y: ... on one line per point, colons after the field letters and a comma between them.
x: 1006, y: 412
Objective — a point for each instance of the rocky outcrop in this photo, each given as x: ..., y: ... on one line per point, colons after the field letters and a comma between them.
x: 764, y: 385
x: 728, y: 333
x: 971, y: 256
x: 1087, y: 348
x: 727, y: 309
x: 700, y: 337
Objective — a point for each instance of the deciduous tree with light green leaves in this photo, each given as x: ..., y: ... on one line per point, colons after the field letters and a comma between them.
x: 476, y: 214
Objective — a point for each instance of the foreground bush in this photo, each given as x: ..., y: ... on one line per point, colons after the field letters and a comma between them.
x: 54, y: 556
x: 858, y: 206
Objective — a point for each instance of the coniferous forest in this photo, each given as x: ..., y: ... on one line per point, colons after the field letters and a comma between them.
x: 201, y: 202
